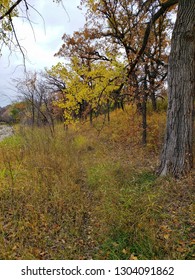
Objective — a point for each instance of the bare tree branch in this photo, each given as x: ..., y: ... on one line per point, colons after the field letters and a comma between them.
x: 16, y: 38
x: 164, y: 7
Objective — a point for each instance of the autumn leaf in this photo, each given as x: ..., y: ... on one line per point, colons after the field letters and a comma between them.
x: 115, y: 244
x: 181, y: 249
x: 192, y: 242
x: 133, y: 257
x: 166, y: 236
x: 124, y: 251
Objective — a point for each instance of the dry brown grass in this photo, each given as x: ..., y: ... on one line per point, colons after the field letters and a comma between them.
x: 92, y: 193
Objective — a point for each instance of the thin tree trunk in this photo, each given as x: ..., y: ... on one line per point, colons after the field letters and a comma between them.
x: 91, y: 116
x: 177, y: 157
x: 154, y: 103
x: 33, y: 111
x: 108, y: 110
x: 144, y: 122
x: 144, y: 110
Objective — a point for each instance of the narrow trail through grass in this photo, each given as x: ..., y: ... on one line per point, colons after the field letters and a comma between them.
x: 86, y: 194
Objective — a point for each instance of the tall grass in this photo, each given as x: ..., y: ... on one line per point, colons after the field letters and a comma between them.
x: 88, y: 194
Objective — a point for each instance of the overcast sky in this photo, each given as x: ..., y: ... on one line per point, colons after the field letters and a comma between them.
x: 40, y: 43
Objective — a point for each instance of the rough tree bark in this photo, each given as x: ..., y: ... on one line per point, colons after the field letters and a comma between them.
x: 177, y: 154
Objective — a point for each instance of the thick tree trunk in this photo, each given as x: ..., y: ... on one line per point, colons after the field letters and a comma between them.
x: 177, y: 156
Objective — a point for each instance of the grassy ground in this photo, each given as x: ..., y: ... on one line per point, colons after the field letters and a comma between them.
x: 93, y: 193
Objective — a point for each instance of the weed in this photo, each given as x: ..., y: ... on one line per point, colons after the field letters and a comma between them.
x: 83, y: 195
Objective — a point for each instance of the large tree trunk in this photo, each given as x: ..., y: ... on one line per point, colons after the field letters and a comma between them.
x: 177, y: 155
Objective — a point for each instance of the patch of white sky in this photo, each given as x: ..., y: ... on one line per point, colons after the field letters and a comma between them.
x: 40, y: 40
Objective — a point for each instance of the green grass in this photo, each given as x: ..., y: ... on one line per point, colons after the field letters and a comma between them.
x: 84, y: 194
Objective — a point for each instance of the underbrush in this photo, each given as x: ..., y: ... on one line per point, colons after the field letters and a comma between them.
x: 92, y: 193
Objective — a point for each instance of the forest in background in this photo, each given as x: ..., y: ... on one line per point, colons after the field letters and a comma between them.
x: 79, y: 178
x: 100, y: 72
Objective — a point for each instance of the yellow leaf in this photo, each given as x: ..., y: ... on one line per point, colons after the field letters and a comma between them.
x: 166, y: 236
x: 132, y: 257
x: 14, y: 248
x: 192, y: 242
x: 124, y: 251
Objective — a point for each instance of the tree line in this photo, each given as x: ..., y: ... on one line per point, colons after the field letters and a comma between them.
x: 123, y: 54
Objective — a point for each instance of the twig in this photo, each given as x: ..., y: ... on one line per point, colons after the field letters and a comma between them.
x: 17, y: 41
